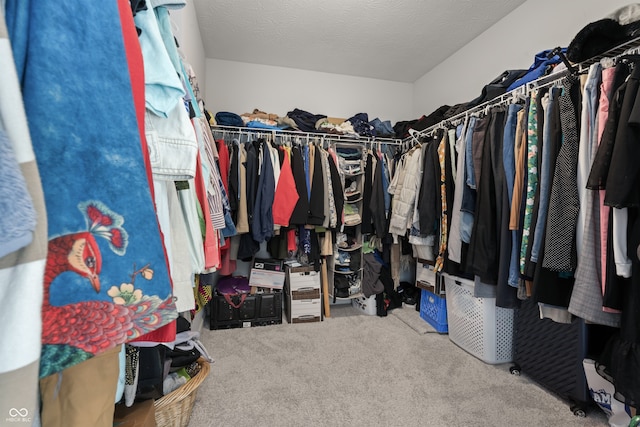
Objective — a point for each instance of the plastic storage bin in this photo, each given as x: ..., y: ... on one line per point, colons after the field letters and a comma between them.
x: 256, y: 310
x: 433, y: 310
x: 476, y: 324
x: 365, y: 305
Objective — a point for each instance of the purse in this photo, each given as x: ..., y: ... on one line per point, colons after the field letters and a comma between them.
x: 230, y: 286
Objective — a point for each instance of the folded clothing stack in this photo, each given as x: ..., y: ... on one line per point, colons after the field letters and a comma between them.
x: 351, y: 215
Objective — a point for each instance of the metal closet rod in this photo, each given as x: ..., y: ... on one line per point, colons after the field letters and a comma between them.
x: 309, y: 136
x: 630, y: 47
x: 513, y: 95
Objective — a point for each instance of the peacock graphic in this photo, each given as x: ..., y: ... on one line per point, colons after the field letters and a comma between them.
x: 75, y: 332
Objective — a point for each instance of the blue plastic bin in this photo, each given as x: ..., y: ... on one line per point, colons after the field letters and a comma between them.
x: 433, y: 310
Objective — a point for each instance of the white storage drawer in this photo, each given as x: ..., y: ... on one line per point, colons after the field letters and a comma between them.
x: 302, y: 277
x: 426, y: 278
x: 304, y: 310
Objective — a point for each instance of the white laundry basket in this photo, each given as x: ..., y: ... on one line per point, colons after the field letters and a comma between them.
x: 365, y: 305
x: 476, y: 324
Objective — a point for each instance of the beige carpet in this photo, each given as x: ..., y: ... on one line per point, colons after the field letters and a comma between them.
x: 358, y: 370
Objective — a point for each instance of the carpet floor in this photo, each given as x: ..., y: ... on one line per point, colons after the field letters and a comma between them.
x: 358, y: 370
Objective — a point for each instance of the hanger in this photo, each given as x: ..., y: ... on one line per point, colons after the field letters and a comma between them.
x: 631, y: 59
x: 518, y: 94
x: 558, y: 51
x: 608, y: 62
x: 414, y: 136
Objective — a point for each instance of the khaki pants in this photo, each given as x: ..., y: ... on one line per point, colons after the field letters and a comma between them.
x: 82, y: 395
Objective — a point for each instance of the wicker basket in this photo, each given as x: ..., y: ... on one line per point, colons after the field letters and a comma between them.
x: 174, y: 409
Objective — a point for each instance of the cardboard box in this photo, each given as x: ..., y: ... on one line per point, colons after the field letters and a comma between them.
x: 428, y: 279
x: 304, y: 310
x: 302, y: 278
x: 267, y: 273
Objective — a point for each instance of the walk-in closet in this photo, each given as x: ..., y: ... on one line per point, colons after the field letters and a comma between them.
x: 319, y: 214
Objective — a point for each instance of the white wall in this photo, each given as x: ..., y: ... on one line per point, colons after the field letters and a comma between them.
x: 241, y: 87
x: 187, y: 31
x: 511, y: 43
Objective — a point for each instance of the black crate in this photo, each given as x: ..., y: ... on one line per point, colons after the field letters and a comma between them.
x: 256, y: 310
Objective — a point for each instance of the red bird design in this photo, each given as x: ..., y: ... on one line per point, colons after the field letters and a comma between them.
x: 94, y: 326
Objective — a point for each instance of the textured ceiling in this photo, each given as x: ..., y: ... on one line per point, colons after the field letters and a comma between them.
x: 398, y: 40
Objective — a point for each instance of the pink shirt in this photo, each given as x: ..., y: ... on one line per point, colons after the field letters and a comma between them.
x: 608, y: 75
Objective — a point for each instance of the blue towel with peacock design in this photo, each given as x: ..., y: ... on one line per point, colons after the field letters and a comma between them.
x: 106, y: 279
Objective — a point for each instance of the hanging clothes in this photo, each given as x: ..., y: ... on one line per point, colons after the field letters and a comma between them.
x: 248, y: 245
x: 551, y: 143
x: 81, y: 211
x: 552, y: 289
x: 210, y: 235
x: 326, y: 193
x: 405, y: 192
x: 623, y: 173
x: 316, y: 195
x: 613, y: 284
x: 449, y: 191
x: 484, y: 246
x: 301, y: 210
x: 286, y: 196
x: 338, y: 191
x: 376, y: 205
x: 532, y: 178
x: 429, y: 203
x: 517, y: 209
x: 367, y: 217
x: 560, y: 254
x: 468, y: 203
x: 621, y: 194
x: 422, y: 246
x: 22, y: 268
x: 606, y: 92
x: 586, y: 298
x: 444, y: 223
x: 454, y: 247
x: 242, y: 225
x: 262, y: 225
x: 330, y: 214
x: 224, y: 163
x: 509, y: 165
x: 234, y: 181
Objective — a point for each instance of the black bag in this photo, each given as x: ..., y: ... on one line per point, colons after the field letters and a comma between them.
x: 408, y: 292
x: 182, y: 358
x: 151, y: 372
x: 341, y: 286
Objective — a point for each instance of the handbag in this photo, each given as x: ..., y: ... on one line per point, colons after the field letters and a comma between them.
x: 229, y: 286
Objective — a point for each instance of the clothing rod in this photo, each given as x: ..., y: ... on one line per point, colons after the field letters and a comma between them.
x: 478, y: 108
x: 614, y: 53
x: 581, y: 68
x: 309, y: 136
x: 524, y: 91
x: 546, y: 80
